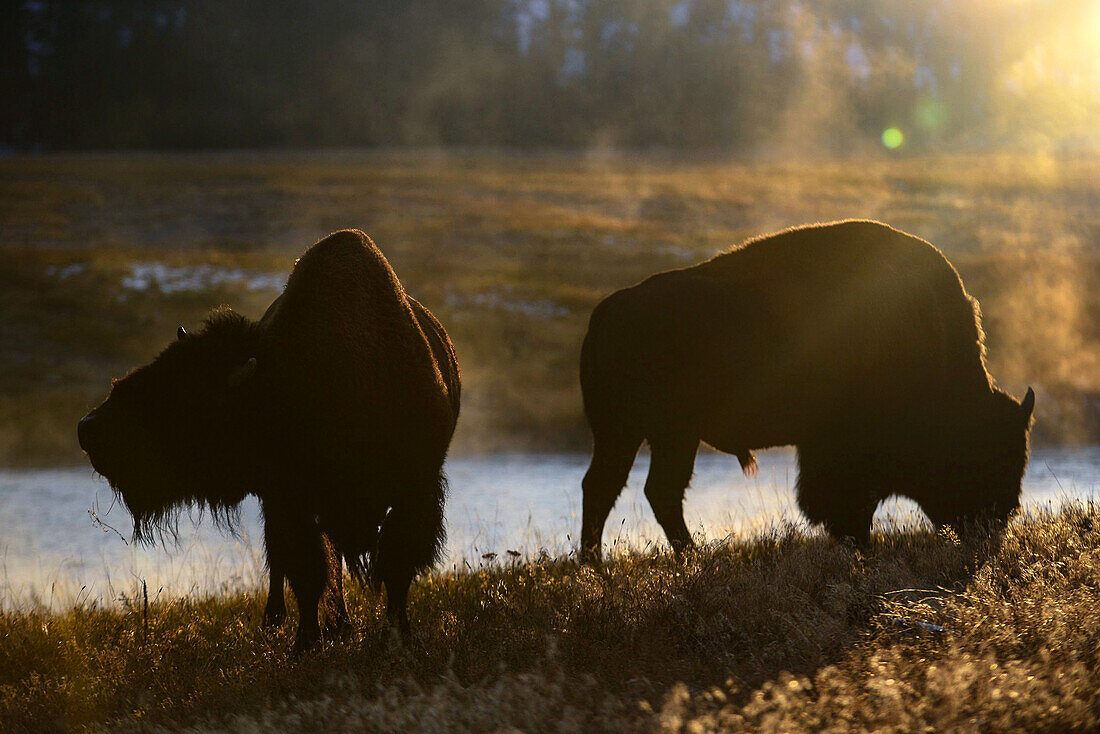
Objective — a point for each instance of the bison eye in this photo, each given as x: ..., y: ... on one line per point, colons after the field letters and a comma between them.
x: 181, y: 333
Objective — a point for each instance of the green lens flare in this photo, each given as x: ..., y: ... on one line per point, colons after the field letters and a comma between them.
x: 892, y: 138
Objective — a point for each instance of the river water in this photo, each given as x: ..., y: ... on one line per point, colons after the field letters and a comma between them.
x: 63, y: 539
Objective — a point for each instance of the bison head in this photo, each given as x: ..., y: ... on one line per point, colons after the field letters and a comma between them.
x: 170, y: 433
x: 990, y: 463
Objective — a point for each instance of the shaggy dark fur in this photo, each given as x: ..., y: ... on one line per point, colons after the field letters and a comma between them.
x: 852, y: 341
x: 335, y: 409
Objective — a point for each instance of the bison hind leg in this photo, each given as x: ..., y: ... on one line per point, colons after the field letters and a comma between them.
x: 409, y: 542
x: 671, y: 466
x: 832, y: 491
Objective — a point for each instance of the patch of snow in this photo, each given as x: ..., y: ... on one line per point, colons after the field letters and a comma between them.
x: 742, y: 14
x: 539, y: 308
x: 610, y: 29
x: 858, y: 63
x: 777, y: 42
x: 573, y: 64
x: 527, y: 18
x: 680, y: 14
x: 66, y: 271
x: 177, y: 279
x: 924, y: 77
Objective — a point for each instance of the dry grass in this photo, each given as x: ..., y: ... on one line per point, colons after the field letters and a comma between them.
x: 511, y: 251
x: 779, y: 632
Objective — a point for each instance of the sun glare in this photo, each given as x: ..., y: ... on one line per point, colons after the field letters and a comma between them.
x: 1092, y: 43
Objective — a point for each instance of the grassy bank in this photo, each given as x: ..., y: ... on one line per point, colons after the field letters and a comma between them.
x: 103, y: 256
x: 779, y: 632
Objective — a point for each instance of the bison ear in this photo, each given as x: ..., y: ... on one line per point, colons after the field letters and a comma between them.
x: 181, y: 333
x: 241, y: 374
x: 1027, y: 405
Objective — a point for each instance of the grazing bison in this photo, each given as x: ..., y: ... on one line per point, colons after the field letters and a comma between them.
x: 335, y: 409
x: 852, y: 341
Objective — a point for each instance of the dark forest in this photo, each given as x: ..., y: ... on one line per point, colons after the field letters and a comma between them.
x: 740, y: 75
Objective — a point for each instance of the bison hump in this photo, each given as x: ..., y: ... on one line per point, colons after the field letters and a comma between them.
x: 343, y: 335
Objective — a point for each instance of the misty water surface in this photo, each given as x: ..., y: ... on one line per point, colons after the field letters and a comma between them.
x: 53, y: 550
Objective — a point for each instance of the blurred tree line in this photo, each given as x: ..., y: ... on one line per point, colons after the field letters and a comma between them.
x: 739, y: 74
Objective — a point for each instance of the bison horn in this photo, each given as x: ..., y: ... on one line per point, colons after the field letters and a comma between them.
x: 1028, y: 404
x: 242, y: 373
x: 181, y: 333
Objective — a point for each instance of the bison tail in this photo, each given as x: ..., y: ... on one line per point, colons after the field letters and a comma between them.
x: 749, y: 465
x: 411, y: 537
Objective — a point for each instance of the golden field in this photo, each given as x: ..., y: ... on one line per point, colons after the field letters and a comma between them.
x: 511, y: 251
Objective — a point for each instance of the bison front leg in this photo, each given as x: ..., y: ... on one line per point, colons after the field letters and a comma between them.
x: 852, y: 523
x: 670, y: 469
x: 294, y: 545
x: 275, y: 609
x: 602, y: 484
x: 831, y: 490
x: 336, y: 611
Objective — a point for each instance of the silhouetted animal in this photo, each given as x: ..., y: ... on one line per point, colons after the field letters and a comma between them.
x: 336, y: 409
x: 853, y: 341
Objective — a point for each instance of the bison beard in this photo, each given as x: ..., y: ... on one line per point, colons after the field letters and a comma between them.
x: 852, y: 341
x: 335, y: 409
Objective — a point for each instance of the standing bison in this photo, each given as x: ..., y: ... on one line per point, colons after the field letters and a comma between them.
x: 853, y: 341
x: 335, y: 409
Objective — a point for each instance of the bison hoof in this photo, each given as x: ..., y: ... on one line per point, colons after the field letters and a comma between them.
x: 591, y: 557
x: 306, y: 640
x: 684, y: 550
x: 274, y: 617
x: 859, y: 543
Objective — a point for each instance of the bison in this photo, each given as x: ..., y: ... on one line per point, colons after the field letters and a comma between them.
x: 335, y: 409
x: 853, y: 341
